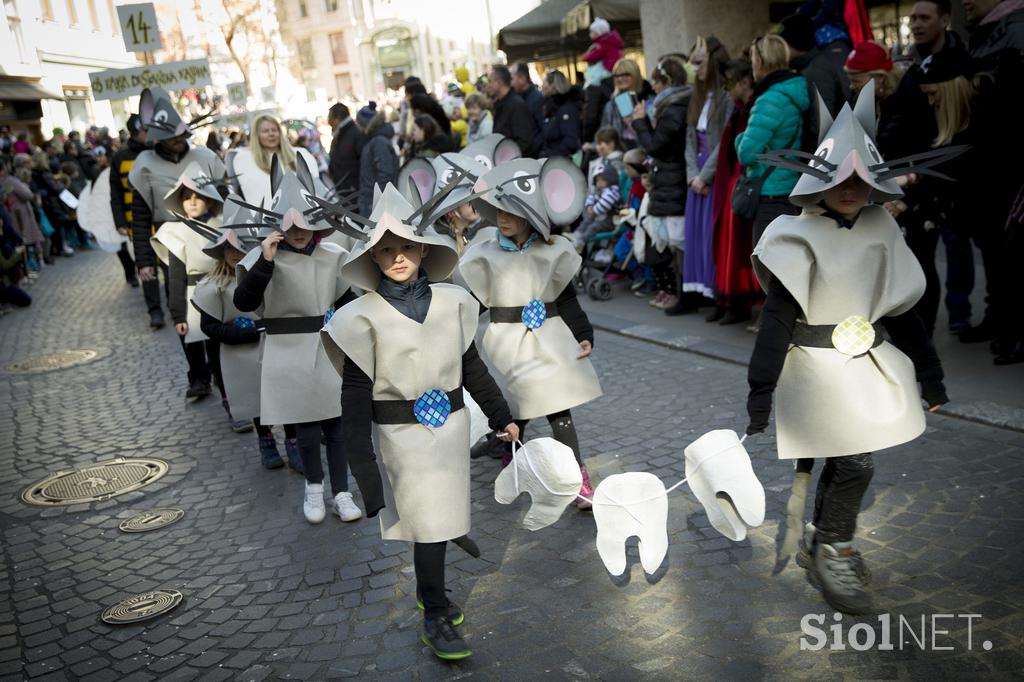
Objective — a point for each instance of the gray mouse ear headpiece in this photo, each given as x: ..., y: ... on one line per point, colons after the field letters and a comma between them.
x: 846, y: 146
x: 493, y: 150
x: 543, y: 192
x: 420, y: 180
x: 162, y: 120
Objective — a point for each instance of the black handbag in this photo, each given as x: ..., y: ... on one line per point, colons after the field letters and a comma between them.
x: 746, y: 195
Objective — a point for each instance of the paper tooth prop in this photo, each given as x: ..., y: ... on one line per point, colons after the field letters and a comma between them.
x: 719, y: 473
x: 630, y: 504
x: 547, y: 470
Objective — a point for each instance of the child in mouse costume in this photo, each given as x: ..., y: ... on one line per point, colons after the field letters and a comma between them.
x: 237, y: 333
x: 539, y: 339
x: 296, y: 278
x: 406, y: 351
x: 836, y: 276
x: 179, y: 246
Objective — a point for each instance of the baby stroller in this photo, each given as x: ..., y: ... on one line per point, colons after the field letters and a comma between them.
x: 598, y: 261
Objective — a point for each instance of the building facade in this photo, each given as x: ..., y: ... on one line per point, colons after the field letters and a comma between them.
x: 47, y: 50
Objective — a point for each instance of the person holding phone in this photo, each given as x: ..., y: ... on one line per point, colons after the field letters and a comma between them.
x: 630, y: 88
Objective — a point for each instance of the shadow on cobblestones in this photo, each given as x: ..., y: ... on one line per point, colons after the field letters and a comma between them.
x: 269, y: 596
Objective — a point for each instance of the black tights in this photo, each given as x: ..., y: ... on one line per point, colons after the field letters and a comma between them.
x: 428, y: 559
x: 308, y: 435
x: 263, y: 430
x: 841, y: 488
x: 562, y: 429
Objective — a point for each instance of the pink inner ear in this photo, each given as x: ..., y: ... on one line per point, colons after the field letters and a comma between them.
x: 146, y: 108
x: 506, y: 151
x: 424, y: 183
x: 559, y: 190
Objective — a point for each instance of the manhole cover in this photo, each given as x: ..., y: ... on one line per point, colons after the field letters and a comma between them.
x: 141, y: 607
x: 151, y: 520
x: 96, y: 482
x: 51, y: 361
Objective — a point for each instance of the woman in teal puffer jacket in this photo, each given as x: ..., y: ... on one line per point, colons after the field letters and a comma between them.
x: 781, y: 99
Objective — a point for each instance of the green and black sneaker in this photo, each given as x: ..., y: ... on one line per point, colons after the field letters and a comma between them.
x: 440, y: 635
x: 455, y: 615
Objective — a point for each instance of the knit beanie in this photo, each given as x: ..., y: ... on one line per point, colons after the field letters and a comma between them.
x: 869, y: 56
x: 609, y: 174
x: 600, y: 26
x: 366, y: 114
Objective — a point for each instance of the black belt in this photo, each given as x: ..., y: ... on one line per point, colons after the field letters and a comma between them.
x: 515, y: 314
x: 293, y: 325
x: 820, y: 335
x: 401, y: 411
x: 193, y: 278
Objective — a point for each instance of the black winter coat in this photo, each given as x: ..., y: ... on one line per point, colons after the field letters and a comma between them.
x: 120, y: 188
x: 346, y: 147
x: 512, y: 118
x: 666, y: 144
x: 560, y: 135
x: 594, y: 99
x: 378, y: 165
x: 827, y: 76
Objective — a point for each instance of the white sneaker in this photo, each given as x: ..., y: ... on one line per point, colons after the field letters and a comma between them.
x: 313, y: 503
x: 346, y: 508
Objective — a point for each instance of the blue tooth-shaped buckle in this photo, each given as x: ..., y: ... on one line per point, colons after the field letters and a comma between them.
x: 534, y: 314
x: 328, y: 315
x: 432, y: 408
x: 244, y: 323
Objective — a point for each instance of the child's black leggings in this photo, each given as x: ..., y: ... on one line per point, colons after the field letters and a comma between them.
x: 562, y: 429
x: 263, y: 430
x: 308, y: 435
x: 428, y: 560
x: 841, y: 488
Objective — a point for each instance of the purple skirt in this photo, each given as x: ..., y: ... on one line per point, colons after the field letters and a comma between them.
x: 698, y: 259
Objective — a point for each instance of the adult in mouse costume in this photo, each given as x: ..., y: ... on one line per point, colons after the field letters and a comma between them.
x: 295, y: 277
x: 837, y: 276
x: 405, y: 350
x: 155, y: 172
x: 538, y: 338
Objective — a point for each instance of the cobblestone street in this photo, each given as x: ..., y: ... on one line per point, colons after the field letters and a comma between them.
x: 268, y: 596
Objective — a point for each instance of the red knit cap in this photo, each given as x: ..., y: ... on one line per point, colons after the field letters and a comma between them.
x: 868, y: 56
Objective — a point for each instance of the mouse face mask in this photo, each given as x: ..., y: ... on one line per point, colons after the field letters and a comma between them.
x: 547, y: 470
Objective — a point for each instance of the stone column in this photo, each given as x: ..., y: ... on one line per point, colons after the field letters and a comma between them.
x: 673, y: 25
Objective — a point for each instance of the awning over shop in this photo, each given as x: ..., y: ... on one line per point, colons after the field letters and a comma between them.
x: 557, y: 28
x: 19, y: 90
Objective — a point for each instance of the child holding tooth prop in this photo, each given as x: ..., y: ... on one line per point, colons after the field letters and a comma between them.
x: 405, y: 350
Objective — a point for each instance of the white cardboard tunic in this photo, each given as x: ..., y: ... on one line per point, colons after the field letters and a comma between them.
x: 152, y: 177
x: 424, y: 470
x: 827, y: 403
x: 297, y: 383
x: 537, y: 370
x: 185, y: 244
x: 239, y: 363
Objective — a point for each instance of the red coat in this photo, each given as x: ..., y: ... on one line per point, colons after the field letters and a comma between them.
x: 607, y: 49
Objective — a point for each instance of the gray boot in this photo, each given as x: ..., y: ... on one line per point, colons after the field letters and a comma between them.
x: 834, y: 571
x: 803, y: 555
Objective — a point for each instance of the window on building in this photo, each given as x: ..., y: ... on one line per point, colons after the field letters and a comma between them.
x: 14, y: 24
x: 330, y: 5
x: 72, y: 13
x: 77, y: 101
x: 47, y: 10
x: 343, y: 84
x: 306, y: 58
x: 94, y: 16
x: 303, y: 11
x: 338, y: 49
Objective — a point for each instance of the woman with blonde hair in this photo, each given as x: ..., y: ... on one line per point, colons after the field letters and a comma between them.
x: 251, y: 164
x: 627, y: 79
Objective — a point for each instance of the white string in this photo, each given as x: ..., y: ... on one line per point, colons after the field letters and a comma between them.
x: 611, y: 502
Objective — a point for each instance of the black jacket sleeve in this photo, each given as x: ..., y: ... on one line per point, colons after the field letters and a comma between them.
x: 481, y: 385
x: 522, y: 126
x: 226, y: 332
x: 346, y: 298
x: 356, y: 417
x: 908, y: 334
x: 177, y: 290
x: 777, y: 320
x: 117, y: 206
x: 142, y: 230
x: 249, y: 292
x: 570, y: 311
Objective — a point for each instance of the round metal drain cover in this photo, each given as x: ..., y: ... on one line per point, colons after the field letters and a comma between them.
x: 51, y: 361
x: 141, y: 607
x: 151, y: 520
x: 96, y: 482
